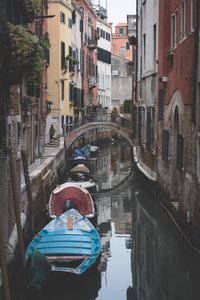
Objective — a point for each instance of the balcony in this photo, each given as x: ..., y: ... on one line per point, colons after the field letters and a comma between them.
x: 91, y: 44
x: 92, y: 81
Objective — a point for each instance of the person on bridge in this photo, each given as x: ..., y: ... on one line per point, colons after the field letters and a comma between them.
x: 51, y: 133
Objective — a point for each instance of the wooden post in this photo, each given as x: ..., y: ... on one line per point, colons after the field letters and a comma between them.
x: 3, y: 265
x: 16, y: 197
x: 29, y: 193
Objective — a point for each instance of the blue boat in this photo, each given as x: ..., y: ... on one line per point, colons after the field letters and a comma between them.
x: 70, y: 243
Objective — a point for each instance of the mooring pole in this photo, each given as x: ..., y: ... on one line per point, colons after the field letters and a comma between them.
x: 29, y: 193
x: 3, y: 265
x: 16, y: 197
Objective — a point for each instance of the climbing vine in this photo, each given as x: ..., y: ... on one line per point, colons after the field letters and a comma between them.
x: 24, y: 53
x: 30, y: 9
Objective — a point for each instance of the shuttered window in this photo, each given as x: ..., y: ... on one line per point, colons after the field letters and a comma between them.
x: 135, y: 121
x: 161, y: 105
x: 141, y: 119
x: 71, y: 92
x: 75, y: 96
x: 63, y: 65
x: 73, y: 16
x: 81, y: 25
x: 104, y: 55
x: 165, y: 145
x: 179, y: 152
x: 150, y: 129
x: 70, y: 61
x: 82, y: 98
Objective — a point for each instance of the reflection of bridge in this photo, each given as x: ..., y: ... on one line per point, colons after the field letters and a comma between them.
x: 122, y: 185
x: 119, y: 125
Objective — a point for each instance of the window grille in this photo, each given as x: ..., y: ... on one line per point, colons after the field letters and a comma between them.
x: 165, y: 144
x: 141, y: 119
x: 150, y: 128
x: 179, y: 152
x: 135, y: 121
x: 161, y: 105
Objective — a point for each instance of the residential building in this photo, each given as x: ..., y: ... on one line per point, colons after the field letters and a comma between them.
x: 23, y: 107
x: 122, y: 68
x: 104, y: 61
x: 147, y: 78
x: 176, y: 154
x: 60, y: 71
x: 76, y: 86
x: 89, y: 53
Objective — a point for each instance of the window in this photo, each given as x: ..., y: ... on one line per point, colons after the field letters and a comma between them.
x: 174, y: 30
x: 165, y: 145
x: 74, y: 17
x: 69, y: 23
x: 183, y: 19
x: 154, y: 43
x: 141, y: 120
x: 161, y: 105
x: 192, y: 16
x: 121, y: 30
x: 127, y: 46
x: 63, y: 64
x: 62, y: 90
x: 81, y: 25
x: 150, y: 128
x: 198, y: 156
x: 104, y: 34
x: 144, y: 51
x: 70, y: 61
x: 71, y: 92
x: 179, y: 152
x: 18, y: 134
x: 62, y: 17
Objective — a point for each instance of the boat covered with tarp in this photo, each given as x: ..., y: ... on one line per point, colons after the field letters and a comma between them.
x: 71, y: 195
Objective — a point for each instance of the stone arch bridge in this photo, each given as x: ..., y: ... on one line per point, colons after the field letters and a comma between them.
x: 124, y: 130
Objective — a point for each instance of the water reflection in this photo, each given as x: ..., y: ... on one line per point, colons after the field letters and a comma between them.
x: 143, y: 255
x: 113, y: 165
x: 115, y: 221
x: 164, y: 266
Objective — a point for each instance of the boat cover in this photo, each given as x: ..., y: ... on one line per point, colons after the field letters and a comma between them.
x: 77, y: 194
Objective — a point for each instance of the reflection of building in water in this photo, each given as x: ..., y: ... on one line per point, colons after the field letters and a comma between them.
x: 113, y: 165
x: 104, y: 227
x: 103, y: 167
x: 164, y: 267
x: 121, y: 211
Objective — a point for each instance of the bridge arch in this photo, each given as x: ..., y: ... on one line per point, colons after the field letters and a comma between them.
x: 71, y: 137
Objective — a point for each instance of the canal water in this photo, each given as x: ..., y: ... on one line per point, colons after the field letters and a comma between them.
x: 144, y: 257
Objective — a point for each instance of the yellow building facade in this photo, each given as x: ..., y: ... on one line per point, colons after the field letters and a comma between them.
x: 59, y: 75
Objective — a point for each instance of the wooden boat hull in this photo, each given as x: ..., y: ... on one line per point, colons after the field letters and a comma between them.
x: 70, y: 243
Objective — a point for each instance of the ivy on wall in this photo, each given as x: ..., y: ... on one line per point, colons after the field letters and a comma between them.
x: 23, y: 52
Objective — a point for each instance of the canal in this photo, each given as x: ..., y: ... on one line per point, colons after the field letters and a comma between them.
x: 144, y: 256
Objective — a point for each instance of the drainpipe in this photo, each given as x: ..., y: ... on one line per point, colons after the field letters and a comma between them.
x: 196, y: 61
x: 136, y: 53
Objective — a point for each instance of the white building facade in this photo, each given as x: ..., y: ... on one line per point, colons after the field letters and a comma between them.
x: 147, y: 81
x: 104, y: 63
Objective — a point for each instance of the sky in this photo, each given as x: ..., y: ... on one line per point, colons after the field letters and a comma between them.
x: 118, y: 9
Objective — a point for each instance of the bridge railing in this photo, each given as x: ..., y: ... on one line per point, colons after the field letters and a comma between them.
x: 106, y: 118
